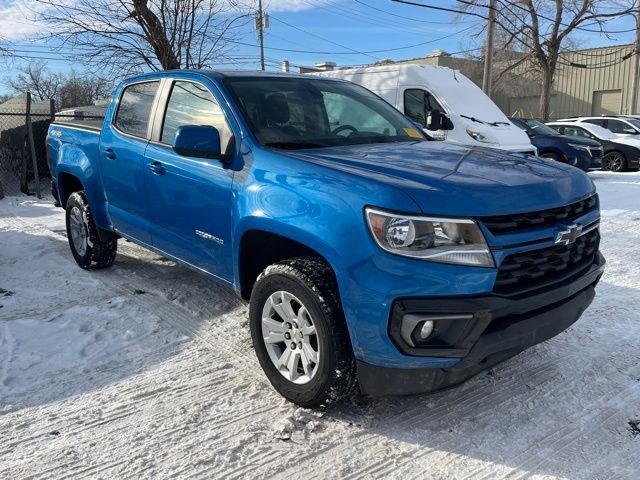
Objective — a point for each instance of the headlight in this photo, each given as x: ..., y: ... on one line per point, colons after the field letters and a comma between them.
x: 580, y: 147
x: 480, y: 137
x: 445, y: 240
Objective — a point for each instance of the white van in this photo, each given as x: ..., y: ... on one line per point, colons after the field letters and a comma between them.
x: 420, y: 91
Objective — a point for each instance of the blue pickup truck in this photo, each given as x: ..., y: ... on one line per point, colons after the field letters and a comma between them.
x: 372, y: 258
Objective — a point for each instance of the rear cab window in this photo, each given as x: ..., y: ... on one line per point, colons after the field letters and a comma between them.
x: 193, y: 104
x: 134, y: 108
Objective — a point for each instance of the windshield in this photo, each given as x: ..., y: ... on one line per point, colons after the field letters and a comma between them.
x: 539, y: 127
x: 295, y: 113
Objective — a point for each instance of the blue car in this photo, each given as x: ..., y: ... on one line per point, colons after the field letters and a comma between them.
x: 583, y: 153
x: 371, y: 257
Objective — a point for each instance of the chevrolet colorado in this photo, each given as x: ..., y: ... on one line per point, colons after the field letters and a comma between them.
x: 370, y: 257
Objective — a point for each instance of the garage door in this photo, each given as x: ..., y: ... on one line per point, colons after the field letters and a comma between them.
x: 606, y: 102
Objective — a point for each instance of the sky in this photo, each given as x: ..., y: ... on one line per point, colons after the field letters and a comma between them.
x: 348, y: 32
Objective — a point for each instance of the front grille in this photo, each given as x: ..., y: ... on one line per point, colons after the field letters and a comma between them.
x: 596, y: 152
x: 534, y: 269
x: 521, y: 221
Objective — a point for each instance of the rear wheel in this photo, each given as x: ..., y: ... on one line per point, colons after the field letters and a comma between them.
x: 88, y: 250
x: 614, y: 161
x: 299, y: 333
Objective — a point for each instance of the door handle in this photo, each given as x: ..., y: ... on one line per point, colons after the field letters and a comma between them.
x: 157, y: 168
x: 110, y: 154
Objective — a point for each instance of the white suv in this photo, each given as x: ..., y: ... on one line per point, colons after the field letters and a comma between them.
x: 621, y: 126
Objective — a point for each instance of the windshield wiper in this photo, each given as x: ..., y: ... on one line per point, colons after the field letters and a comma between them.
x: 473, y: 119
x: 477, y: 120
x: 295, y: 145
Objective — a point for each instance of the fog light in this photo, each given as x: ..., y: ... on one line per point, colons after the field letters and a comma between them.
x: 418, y: 328
x: 427, y: 329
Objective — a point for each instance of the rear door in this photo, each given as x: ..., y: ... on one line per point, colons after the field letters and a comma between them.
x: 190, y: 198
x: 122, y: 146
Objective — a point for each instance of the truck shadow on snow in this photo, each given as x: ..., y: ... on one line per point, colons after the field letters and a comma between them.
x: 73, y: 332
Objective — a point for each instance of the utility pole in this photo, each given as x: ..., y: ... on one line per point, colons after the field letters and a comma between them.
x: 633, y: 108
x: 488, y: 50
x: 260, y: 26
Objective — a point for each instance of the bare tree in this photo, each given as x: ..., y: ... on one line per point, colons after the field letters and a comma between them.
x: 536, y: 31
x: 71, y: 90
x: 134, y: 35
x: 78, y: 91
x: 37, y: 79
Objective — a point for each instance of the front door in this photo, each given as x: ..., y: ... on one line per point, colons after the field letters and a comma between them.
x: 122, y: 147
x: 190, y: 198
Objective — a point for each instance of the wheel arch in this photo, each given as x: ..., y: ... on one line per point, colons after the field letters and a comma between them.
x: 67, y: 184
x: 273, y: 247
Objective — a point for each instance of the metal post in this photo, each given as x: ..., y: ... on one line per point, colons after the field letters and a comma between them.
x: 261, y: 33
x: 52, y: 109
x: 488, y: 50
x: 32, y: 146
x: 633, y: 108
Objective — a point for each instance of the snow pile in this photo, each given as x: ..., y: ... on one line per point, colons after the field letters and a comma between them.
x: 146, y: 370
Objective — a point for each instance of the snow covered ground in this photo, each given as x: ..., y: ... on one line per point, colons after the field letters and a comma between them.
x: 146, y: 370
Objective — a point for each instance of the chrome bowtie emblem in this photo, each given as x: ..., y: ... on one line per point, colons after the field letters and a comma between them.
x: 570, y: 235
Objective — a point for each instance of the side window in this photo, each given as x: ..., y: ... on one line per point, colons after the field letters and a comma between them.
x: 193, y: 104
x: 617, y: 126
x: 596, y: 121
x: 134, y: 108
x: 418, y: 103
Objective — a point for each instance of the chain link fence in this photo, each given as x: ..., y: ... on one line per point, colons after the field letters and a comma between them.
x: 23, y: 156
x: 24, y: 166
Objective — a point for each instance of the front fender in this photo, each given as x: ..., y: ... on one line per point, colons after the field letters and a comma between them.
x: 318, y: 207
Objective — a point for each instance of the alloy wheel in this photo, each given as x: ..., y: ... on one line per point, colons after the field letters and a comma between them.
x: 290, y: 337
x: 614, y: 162
x: 78, y: 231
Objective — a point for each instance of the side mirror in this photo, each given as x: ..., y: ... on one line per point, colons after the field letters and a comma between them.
x: 436, y: 120
x: 630, y: 131
x: 202, y: 141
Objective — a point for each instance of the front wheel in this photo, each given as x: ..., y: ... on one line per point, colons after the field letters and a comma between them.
x: 614, y: 161
x: 299, y: 333
x: 88, y: 250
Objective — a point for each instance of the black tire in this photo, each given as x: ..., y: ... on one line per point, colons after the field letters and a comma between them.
x: 96, y: 254
x: 311, y: 281
x: 614, y: 161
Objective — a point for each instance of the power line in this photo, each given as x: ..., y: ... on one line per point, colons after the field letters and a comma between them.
x: 442, y: 9
x: 320, y: 37
x: 342, y: 11
x: 318, y: 52
x: 553, y: 20
x: 386, y: 12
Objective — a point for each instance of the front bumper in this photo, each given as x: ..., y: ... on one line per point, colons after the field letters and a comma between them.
x: 504, y: 327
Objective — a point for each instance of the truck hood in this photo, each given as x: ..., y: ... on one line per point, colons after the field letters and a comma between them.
x: 455, y: 180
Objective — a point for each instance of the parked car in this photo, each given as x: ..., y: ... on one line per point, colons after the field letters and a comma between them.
x: 366, y: 251
x: 621, y: 126
x: 583, y: 153
x: 619, y: 153
x: 419, y: 91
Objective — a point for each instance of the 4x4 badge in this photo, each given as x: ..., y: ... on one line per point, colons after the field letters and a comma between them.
x: 570, y: 235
